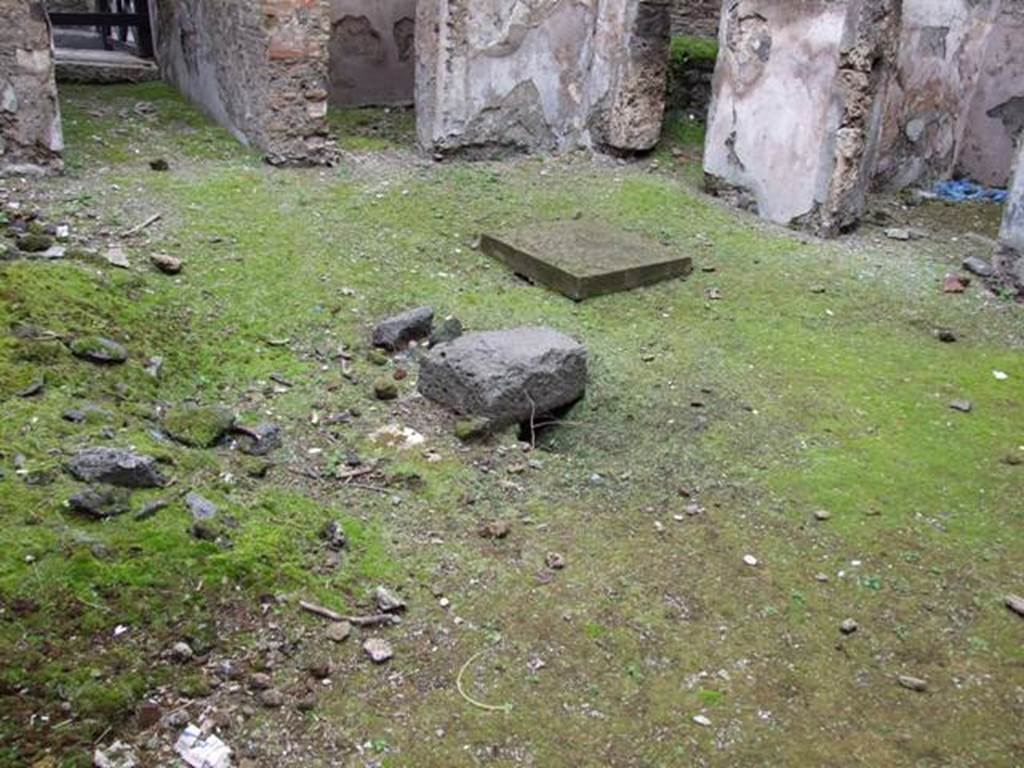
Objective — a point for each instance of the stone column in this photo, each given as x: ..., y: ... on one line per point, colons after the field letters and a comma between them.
x: 797, y: 106
x: 30, y: 133
x: 1010, y: 259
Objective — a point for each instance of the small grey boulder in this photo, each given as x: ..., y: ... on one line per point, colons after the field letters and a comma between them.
x: 97, y: 349
x: 978, y: 266
x: 506, y: 376
x: 115, y: 466
x: 397, y: 331
x: 101, y: 503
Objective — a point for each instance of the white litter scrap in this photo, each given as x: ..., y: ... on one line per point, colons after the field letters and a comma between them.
x: 202, y: 751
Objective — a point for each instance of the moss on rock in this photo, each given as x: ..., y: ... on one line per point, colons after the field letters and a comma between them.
x: 198, y: 426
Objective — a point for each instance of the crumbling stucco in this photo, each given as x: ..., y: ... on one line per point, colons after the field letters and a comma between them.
x: 258, y: 67
x: 372, y: 52
x: 796, y: 112
x: 545, y: 75
x: 957, y: 101
x: 30, y: 133
x: 994, y: 110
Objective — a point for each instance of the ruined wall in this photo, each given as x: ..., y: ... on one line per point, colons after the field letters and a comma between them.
x: 30, y: 131
x: 372, y: 52
x: 258, y: 67
x: 696, y: 17
x: 993, y: 116
x: 942, y: 47
x: 795, y: 119
x: 500, y: 75
x: 958, y: 96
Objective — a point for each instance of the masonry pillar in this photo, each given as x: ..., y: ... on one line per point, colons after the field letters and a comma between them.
x: 796, y: 111
x: 30, y: 133
x: 496, y: 76
x: 1010, y: 260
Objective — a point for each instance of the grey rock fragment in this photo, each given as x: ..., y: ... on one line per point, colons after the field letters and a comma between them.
x: 395, y: 332
x: 115, y: 466
x: 387, y: 601
x: 506, y: 376
x: 101, y: 503
x: 978, y: 266
x: 260, y: 440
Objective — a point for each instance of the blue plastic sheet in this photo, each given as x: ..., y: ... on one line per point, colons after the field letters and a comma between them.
x: 961, y: 190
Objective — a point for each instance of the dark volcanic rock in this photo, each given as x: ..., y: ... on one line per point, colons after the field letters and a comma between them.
x: 506, y: 376
x: 260, y: 440
x: 447, y: 331
x: 397, y: 331
x: 115, y: 466
x: 101, y: 502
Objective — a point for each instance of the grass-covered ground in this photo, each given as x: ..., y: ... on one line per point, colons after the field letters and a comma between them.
x: 786, y: 376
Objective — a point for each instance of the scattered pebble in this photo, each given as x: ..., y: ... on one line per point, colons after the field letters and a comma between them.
x: 181, y: 651
x: 750, y: 560
x: 169, y: 265
x: 339, y: 631
x: 496, y: 529
x: 272, y: 698
x: 1015, y: 603
x: 378, y: 649
x: 849, y: 626
x: 555, y: 561
x: 964, y: 406
x: 387, y: 601
x: 822, y: 515
x: 702, y: 720
x: 912, y: 683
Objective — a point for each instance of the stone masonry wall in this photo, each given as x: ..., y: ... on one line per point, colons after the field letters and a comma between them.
x: 959, y: 61
x: 30, y: 133
x: 993, y: 115
x: 696, y: 17
x: 372, y: 52
x: 500, y: 75
x: 794, y: 123
x: 257, y: 67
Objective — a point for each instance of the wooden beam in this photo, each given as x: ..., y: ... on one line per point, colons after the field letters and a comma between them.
x: 96, y: 19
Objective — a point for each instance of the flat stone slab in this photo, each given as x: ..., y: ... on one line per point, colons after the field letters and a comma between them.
x: 585, y: 258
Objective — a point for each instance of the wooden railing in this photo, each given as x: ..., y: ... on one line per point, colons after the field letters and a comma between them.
x: 122, y: 25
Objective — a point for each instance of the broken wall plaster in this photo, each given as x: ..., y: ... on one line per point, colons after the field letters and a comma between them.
x: 550, y: 75
x: 31, y: 139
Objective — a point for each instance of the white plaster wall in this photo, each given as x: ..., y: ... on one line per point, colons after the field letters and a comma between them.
x: 537, y: 75
x: 771, y: 128
x: 1013, y: 218
x: 993, y: 113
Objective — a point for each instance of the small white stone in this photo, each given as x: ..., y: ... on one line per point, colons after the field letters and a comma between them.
x: 750, y: 560
x: 702, y: 720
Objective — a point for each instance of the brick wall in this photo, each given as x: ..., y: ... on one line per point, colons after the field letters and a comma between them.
x: 696, y: 17
x: 30, y: 132
x: 258, y: 67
